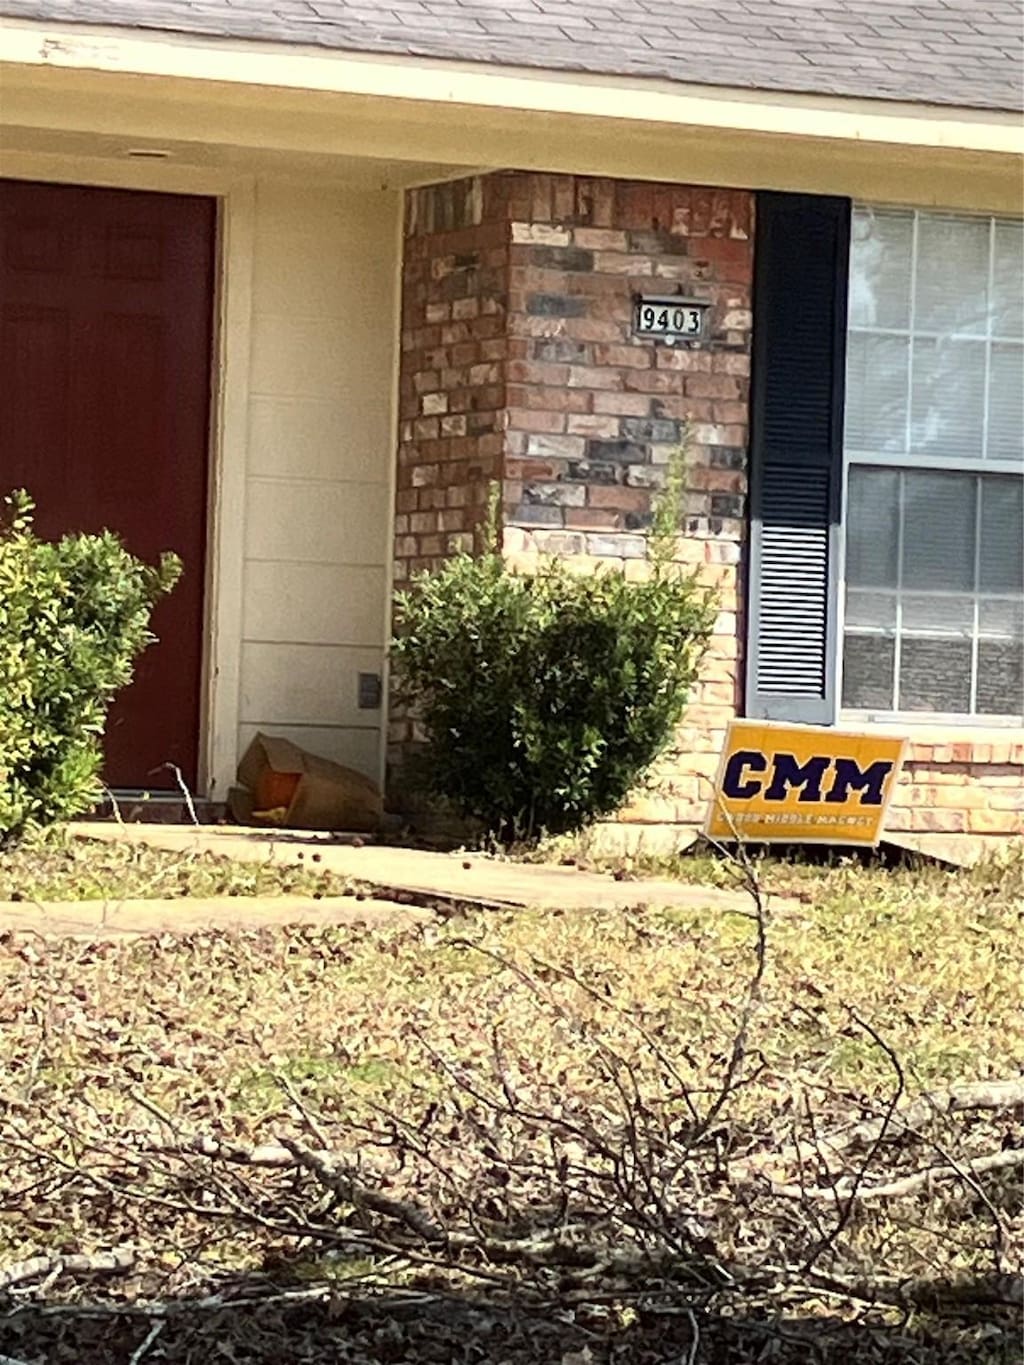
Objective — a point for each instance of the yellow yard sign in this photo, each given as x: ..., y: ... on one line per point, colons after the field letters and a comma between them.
x: 803, y: 784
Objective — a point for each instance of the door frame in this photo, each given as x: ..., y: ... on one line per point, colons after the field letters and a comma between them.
x: 235, y: 196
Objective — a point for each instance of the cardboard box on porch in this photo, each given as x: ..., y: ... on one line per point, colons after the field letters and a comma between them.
x: 282, y: 785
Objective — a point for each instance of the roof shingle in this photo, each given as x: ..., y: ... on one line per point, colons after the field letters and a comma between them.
x: 964, y: 53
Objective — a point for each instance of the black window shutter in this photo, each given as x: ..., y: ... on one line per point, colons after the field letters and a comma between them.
x: 796, y: 456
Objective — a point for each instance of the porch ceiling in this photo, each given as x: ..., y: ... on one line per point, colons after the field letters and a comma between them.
x: 339, y: 167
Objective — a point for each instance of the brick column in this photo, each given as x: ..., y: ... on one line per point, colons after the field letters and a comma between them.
x: 518, y: 363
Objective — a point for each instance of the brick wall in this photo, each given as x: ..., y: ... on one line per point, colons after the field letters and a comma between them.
x: 956, y: 785
x: 518, y: 364
x: 452, y: 383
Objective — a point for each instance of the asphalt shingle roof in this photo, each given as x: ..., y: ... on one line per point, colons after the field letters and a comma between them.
x: 966, y: 53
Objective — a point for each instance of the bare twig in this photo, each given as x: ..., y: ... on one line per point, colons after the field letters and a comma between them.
x: 143, y: 1347
x: 826, y: 1243
x: 182, y: 787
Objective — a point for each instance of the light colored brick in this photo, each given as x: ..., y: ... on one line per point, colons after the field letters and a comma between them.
x: 540, y: 234
x: 599, y: 239
x: 617, y: 546
x: 556, y: 447
x: 995, y: 822
x: 938, y: 821
x: 560, y: 542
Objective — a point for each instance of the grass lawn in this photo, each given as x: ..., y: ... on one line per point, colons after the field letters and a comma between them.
x: 373, y: 1043
x: 59, y: 867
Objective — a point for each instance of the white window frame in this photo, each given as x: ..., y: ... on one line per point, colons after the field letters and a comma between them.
x: 899, y: 462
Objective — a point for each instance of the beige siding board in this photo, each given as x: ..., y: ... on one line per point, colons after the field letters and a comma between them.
x: 359, y: 749
x: 307, y: 357
x: 303, y: 273
x: 316, y: 438
x: 314, y: 604
x: 316, y: 523
x: 287, y: 684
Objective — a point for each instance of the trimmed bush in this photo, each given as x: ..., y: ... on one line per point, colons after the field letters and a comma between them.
x: 74, y: 615
x: 546, y: 697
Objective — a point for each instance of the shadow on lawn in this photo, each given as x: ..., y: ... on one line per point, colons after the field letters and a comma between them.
x: 358, y: 1326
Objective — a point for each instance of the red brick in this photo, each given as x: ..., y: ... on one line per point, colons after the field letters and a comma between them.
x: 729, y: 413
x: 537, y: 372
x: 593, y: 518
x: 523, y: 419
x: 531, y: 469
x: 652, y: 381
x: 712, y: 386
x: 593, y: 425
x: 628, y: 357
x: 622, y: 404
x: 594, y: 377
x: 621, y: 498
x: 549, y: 400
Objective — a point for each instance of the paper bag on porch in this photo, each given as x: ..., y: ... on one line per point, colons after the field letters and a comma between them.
x: 284, y: 785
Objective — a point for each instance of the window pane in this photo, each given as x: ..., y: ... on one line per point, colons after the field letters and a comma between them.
x: 952, y: 274
x: 870, y: 610
x: 938, y: 614
x: 938, y: 531
x: 1001, y: 618
x: 1001, y: 555
x: 1001, y: 658
x: 872, y: 535
x: 880, y: 251
x: 1008, y: 280
x: 935, y: 675
x: 876, y: 407
x: 868, y: 664
x: 948, y: 401
x: 1006, y: 402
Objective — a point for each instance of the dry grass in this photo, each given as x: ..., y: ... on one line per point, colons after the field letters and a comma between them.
x: 58, y: 867
x: 215, y: 1029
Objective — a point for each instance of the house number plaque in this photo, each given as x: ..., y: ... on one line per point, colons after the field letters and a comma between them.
x: 669, y: 319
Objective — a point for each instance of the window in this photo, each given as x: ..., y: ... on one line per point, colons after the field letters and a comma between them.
x: 934, y: 447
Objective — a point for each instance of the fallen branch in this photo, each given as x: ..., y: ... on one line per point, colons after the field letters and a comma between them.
x: 958, y: 1099
x: 997, y: 1291
x: 910, y: 1184
x: 333, y: 1176
x: 98, y: 1263
x: 176, y: 1308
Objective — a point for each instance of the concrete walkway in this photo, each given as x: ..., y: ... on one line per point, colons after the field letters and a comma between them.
x: 183, y: 915
x: 455, y: 876
x: 391, y: 876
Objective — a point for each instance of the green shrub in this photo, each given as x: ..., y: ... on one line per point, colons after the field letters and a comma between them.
x: 73, y: 617
x: 546, y: 697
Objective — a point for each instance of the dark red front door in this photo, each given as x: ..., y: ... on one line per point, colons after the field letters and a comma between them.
x: 105, y: 306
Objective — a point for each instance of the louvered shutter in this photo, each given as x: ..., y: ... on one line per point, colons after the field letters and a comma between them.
x: 796, y: 462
